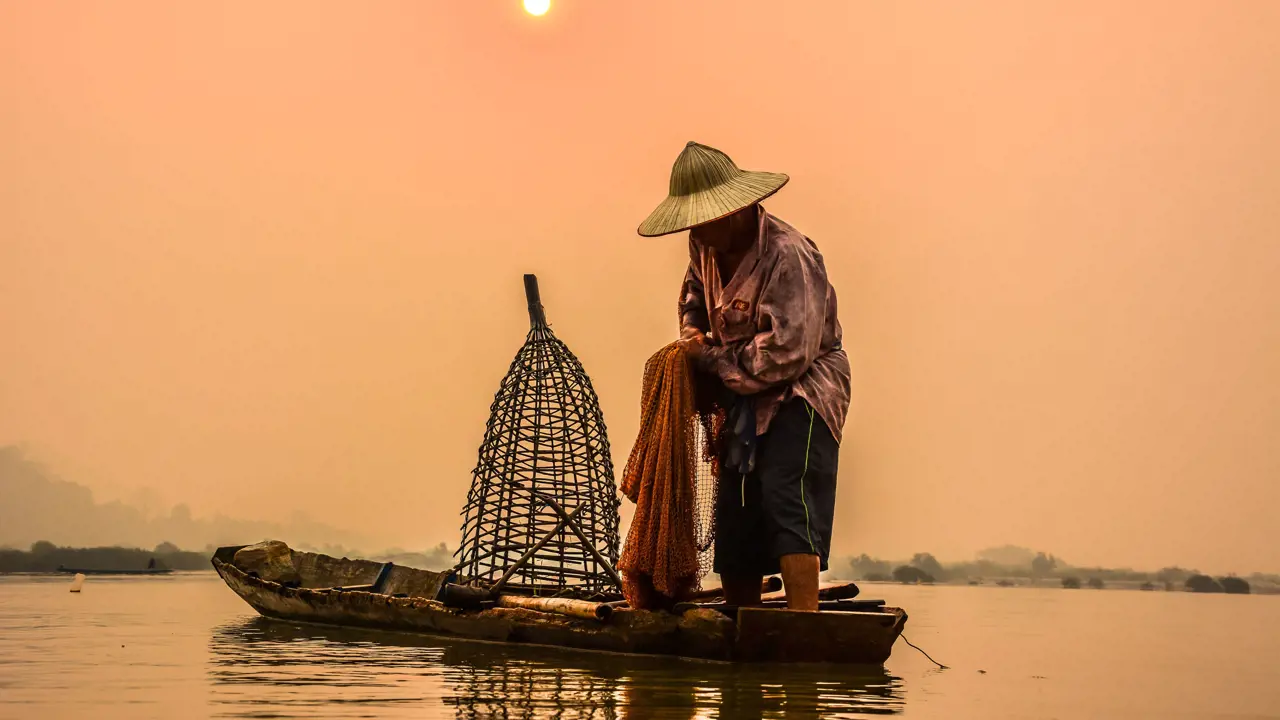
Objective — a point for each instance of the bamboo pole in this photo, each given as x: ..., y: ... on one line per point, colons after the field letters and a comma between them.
x: 559, y: 606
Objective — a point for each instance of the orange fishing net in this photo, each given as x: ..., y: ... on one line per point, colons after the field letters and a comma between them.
x: 671, y: 477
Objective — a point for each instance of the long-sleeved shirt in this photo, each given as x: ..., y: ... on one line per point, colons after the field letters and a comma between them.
x: 772, y: 327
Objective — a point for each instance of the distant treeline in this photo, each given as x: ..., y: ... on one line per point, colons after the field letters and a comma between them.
x: 1001, y: 565
x: 44, y: 556
x: 47, y: 557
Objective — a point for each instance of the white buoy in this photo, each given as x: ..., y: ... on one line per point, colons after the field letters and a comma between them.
x: 77, y: 582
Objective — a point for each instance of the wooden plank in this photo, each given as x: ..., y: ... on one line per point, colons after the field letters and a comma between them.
x: 778, y: 635
x: 824, y: 605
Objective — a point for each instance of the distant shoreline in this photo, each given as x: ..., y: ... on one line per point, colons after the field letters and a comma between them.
x: 1256, y: 588
x: 45, y: 558
x: 1014, y: 566
x: 55, y: 573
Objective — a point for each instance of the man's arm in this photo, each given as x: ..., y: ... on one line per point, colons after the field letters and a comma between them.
x: 792, y: 309
x: 693, y: 305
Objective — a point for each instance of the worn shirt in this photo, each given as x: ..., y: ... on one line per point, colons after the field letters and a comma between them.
x: 772, y: 327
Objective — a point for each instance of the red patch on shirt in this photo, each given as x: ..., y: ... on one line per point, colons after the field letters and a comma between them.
x: 740, y: 305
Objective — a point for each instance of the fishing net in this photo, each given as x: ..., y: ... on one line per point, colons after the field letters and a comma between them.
x: 671, y: 477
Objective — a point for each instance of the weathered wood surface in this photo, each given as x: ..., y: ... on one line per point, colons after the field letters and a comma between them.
x: 705, y: 634
x: 779, y: 635
x: 845, y: 637
x: 824, y: 605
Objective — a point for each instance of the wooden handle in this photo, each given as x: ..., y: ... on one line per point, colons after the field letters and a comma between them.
x: 537, y: 316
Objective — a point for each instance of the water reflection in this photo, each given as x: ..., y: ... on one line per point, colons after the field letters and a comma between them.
x: 268, y: 668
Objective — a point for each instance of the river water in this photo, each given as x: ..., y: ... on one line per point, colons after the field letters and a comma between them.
x: 184, y: 646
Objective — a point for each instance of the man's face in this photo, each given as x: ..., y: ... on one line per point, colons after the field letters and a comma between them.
x: 719, y: 235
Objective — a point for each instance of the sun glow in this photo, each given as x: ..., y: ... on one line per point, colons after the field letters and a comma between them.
x: 537, y: 7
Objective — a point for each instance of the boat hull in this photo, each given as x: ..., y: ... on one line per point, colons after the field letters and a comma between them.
x: 758, y: 635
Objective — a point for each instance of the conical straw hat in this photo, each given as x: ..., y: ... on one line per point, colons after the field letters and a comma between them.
x: 706, y: 186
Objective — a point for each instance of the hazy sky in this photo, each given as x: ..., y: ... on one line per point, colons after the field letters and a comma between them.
x: 266, y: 257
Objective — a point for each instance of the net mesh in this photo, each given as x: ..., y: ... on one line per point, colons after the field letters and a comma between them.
x: 671, y: 476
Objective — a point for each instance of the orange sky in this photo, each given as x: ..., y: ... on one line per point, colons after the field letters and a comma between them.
x: 266, y: 257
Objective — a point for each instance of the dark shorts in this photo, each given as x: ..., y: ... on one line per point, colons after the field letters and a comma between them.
x: 787, y: 504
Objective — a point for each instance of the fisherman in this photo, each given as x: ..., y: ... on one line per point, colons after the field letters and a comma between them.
x: 756, y: 310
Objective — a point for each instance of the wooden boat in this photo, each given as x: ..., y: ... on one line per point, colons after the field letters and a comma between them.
x: 310, y: 587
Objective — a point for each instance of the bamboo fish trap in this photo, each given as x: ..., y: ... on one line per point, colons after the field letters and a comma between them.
x: 542, y: 513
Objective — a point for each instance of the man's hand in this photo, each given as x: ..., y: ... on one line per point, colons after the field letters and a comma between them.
x: 693, y: 342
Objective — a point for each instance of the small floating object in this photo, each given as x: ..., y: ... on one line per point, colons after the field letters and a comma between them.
x: 77, y: 582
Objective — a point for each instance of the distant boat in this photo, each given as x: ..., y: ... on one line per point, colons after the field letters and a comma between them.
x: 151, y: 569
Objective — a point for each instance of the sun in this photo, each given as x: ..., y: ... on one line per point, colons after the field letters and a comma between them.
x: 537, y: 7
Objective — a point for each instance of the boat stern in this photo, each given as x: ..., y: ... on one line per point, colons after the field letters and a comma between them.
x: 792, y: 636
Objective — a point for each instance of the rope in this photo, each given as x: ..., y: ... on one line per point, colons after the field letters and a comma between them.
x: 922, y: 652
